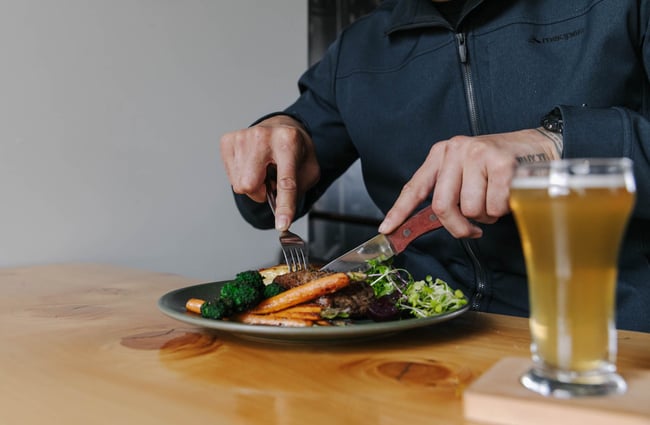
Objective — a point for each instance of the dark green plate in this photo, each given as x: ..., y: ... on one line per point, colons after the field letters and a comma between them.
x: 173, y: 305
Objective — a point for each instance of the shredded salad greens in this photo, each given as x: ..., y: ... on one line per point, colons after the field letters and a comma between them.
x: 419, y: 298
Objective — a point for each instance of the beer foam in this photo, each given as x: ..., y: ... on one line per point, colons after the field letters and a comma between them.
x: 594, y: 181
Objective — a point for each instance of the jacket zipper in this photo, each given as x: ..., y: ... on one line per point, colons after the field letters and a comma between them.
x: 469, y: 84
x: 479, y: 273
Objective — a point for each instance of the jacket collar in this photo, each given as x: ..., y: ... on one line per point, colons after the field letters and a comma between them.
x: 410, y: 14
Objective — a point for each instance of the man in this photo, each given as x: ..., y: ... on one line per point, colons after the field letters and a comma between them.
x: 439, y: 102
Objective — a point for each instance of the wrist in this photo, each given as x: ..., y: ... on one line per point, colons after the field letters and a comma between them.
x: 556, y: 138
x: 552, y: 127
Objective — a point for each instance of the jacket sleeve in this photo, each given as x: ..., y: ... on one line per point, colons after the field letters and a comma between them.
x: 611, y: 132
x: 317, y: 110
x: 616, y: 131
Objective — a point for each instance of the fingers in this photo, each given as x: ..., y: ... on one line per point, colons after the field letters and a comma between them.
x: 279, y: 142
x: 498, y: 189
x: 245, y: 155
x: 414, y: 192
x: 297, y: 170
x: 486, y: 183
x: 285, y: 155
x: 468, y: 181
x: 455, y: 186
x: 440, y: 174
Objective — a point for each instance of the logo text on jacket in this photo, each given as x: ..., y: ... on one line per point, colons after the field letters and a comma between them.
x: 555, y: 38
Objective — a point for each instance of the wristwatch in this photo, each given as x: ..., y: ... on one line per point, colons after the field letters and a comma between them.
x: 553, y: 121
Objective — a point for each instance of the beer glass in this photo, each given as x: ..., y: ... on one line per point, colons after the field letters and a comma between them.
x: 571, y: 215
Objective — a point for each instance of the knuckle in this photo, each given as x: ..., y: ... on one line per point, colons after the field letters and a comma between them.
x: 259, y: 133
x: 244, y: 185
x: 440, y: 149
x: 439, y: 208
x: 460, y: 142
x: 478, y: 151
x: 414, y: 192
x: 287, y: 184
x: 286, y: 137
x: 459, y: 139
x: 226, y: 139
x: 504, y: 165
x: 496, y: 209
x: 471, y: 210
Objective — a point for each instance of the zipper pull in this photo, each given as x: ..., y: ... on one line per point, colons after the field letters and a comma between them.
x: 462, y: 47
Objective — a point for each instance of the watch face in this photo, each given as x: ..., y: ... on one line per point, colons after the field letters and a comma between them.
x: 553, y: 121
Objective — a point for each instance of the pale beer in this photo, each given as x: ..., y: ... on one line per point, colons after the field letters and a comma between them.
x: 571, y: 225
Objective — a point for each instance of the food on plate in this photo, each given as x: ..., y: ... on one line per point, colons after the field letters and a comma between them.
x: 270, y: 273
x: 351, y: 302
x: 194, y: 305
x: 300, y: 315
x: 419, y: 298
x: 272, y: 289
x: 272, y: 320
x: 289, y: 280
x: 236, y: 296
x: 313, y: 297
x: 309, y: 291
x: 245, y: 292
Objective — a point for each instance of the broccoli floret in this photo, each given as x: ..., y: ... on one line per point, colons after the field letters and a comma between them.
x: 252, y: 278
x: 236, y: 296
x: 216, y: 309
x: 245, y: 292
x: 272, y: 289
x: 241, y: 295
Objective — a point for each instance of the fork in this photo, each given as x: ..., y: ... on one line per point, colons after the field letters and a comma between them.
x: 294, y: 248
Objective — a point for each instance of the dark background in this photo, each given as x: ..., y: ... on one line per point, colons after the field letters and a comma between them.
x: 345, y: 216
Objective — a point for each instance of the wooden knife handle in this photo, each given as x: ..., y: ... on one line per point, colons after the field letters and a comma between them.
x: 422, y: 222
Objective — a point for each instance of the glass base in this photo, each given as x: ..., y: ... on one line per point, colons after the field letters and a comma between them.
x: 609, y: 383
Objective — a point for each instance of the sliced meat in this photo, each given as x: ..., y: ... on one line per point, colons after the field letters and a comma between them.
x: 293, y: 279
x: 355, y: 299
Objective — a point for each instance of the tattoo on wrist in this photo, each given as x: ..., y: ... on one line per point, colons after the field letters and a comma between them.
x: 556, y: 138
x: 537, y: 157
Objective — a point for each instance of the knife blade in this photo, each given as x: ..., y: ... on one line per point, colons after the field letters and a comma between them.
x: 386, y: 246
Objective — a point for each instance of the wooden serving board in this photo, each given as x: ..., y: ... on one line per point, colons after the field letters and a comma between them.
x: 497, y: 397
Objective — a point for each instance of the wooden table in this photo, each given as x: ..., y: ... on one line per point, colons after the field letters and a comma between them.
x: 86, y: 344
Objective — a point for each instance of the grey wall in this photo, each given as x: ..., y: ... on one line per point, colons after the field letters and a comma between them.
x: 110, y: 117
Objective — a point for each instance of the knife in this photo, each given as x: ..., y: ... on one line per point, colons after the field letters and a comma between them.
x: 388, y: 245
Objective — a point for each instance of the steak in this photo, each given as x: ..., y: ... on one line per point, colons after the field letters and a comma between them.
x: 293, y: 279
x: 354, y: 299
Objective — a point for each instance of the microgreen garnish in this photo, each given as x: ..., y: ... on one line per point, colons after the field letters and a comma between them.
x: 421, y: 298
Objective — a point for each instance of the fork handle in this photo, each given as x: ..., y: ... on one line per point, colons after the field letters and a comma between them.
x: 270, y: 195
x: 271, y: 174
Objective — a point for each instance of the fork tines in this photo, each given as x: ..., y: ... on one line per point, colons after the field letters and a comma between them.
x: 296, y: 259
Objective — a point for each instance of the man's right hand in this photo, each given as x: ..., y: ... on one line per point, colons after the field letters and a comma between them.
x: 280, y: 142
